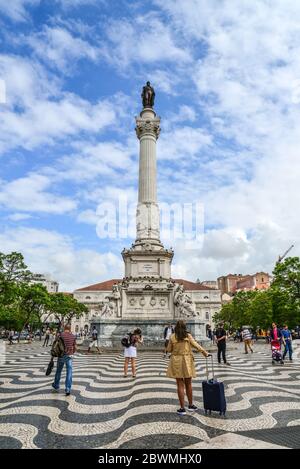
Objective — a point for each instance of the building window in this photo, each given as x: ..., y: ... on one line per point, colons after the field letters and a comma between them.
x: 206, y: 297
x: 207, y: 315
x: 87, y: 297
x: 262, y: 279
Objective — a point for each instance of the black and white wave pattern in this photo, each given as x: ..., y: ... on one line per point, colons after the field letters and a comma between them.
x: 106, y: 410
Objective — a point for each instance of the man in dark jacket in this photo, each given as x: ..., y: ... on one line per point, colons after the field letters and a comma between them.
x: 69, y: 341
x: 221, y: 343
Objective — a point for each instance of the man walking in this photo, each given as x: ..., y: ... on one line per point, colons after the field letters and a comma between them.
x: 221, y: 343
x: 69, y: 341
x: 10, y: 337
x: 247, y: 337
x: 94, y: 342
x: 287, y: 341
x: 47, y: 337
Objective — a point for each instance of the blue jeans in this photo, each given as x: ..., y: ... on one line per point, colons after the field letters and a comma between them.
x: 65, y: 360
x: 288, y: 348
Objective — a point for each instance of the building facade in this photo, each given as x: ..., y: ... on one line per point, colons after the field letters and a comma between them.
x: 232, y: 283
x: 207, y: 301
x: 45, y: 280
x: 258, y: 281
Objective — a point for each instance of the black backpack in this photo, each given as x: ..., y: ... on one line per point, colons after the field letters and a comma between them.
x: 126, y: 341
x: 58, y: 347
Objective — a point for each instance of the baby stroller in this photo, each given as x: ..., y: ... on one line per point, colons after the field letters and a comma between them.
x: 276, y: 352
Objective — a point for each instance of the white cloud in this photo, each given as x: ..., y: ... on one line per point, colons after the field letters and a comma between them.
x: 19, y: 216
x: 182, y: 143
x: 165, y: 80
x: 247, y: 84
x: 50, y: 251
x: 88, y: 216
x: 145, y: 40
x: 37, y: 112
x: 78, y: 3
x: 59, y: 48
x: 103, y: 159
x: 17, y: 9
x: 31, y: 194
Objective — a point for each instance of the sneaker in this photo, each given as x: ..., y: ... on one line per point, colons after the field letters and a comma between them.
x: 181, y: 411
x: 68, y: 393
x: 54, y: 389
x: 192, y: 408
x: 228, y: 364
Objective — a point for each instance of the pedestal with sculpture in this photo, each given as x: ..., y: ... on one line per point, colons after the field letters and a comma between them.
x: 147, y: 296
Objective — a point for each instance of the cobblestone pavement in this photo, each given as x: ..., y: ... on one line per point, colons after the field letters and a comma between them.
x: 106, y: 410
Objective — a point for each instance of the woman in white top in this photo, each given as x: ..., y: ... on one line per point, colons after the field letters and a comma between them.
x: 130, y: 352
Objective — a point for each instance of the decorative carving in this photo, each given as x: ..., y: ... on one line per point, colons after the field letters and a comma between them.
x: 142, y: 301
x: 108, y: 309
x: 183, y: 302
x: 132, y: 301
x: 162, y: 302
x: 112, y: 306
x: 153, y: 301
x: 147, y: 126
x: 148, y: 287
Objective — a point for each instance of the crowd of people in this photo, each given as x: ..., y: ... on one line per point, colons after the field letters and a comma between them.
x: 178, y: 346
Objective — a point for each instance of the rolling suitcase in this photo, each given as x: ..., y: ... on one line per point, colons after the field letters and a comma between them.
x: 213, y: 393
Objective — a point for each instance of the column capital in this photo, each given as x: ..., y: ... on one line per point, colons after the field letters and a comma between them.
x: 146, y: 126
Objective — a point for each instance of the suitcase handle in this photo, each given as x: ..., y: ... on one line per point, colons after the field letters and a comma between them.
x: 212, y: 367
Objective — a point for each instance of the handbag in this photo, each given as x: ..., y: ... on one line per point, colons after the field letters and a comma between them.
x: 50, y: 367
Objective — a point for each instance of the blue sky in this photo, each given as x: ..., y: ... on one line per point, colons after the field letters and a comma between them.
x: 227, y: 81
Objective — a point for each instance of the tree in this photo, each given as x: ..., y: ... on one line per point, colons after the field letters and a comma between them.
x: 13, y: 269
x: 65, y: 307
x: 13, y: 274
x: 286, y: 289
x: 34, y: 301
x: 253, y: 308
x: 261, y: 309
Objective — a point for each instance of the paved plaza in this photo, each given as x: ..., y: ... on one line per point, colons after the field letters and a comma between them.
x: 106, y: 410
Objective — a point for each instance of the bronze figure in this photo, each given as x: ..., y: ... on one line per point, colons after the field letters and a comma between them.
x: 148, y: 95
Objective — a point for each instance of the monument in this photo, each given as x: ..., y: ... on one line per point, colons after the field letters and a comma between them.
x: 147, y: 296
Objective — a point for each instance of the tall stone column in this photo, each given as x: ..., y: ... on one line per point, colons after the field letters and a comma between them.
x: 147, y: 216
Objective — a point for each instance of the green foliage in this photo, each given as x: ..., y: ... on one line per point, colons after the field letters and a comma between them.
x: 259, y: 308
x: 286, y: 288
x: 65, y: 307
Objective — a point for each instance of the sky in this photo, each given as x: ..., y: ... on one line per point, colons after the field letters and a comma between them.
x: 227, y: 81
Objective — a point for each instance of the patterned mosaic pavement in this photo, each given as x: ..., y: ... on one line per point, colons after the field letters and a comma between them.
x: 106, y: 410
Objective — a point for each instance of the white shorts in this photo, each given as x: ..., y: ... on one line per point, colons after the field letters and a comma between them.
x: 130, y: 352
x: 94, y: 343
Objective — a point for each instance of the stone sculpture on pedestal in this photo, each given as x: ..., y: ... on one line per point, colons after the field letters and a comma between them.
x: 147, y: 296
x: 184, y: 303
